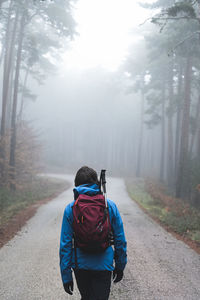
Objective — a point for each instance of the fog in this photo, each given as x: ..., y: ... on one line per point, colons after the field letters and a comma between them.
x: 111, y: 85
x: 86, y: 118
x: 84, y: 113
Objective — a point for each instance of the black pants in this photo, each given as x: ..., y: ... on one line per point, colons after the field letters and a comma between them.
x: 93, y: 285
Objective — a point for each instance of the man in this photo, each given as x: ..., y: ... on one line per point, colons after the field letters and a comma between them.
x: 92, y: 270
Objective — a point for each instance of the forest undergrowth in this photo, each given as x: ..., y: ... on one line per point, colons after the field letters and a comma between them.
x: 41, y: 188
x: 174, y: 214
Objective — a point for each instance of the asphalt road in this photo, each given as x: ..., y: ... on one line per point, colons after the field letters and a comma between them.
x: 159, y: 266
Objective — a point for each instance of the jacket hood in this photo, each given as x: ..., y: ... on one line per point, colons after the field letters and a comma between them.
x: 90, y: 189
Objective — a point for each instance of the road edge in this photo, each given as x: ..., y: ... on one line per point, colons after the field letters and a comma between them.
x: 15, y: 224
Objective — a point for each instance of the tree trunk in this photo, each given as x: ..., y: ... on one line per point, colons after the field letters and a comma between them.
x: 139, y: 156
x: 170, y: 152
x: 162, y: 159
x: 2, y: 53
x: 178, y: 119
x: 182, y: 186
x: 196, y: 191
x: 9, y: 98
x: 196, y: 127
x: 19, y: 117
x: 198, y: 142
x: 9, y: 51
x: 14, y: 108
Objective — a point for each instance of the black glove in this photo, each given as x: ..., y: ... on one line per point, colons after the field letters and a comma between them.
x: 117, y: 275
x: 69, y: 287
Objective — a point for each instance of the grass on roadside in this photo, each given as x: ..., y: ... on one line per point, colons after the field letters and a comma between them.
x: 12, y: 202
x: 174, y: 213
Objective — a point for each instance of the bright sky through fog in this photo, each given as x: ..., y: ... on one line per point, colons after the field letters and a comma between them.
x: 104, y: 28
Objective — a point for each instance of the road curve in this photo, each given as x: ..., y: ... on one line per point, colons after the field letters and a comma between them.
x: 159, y: 266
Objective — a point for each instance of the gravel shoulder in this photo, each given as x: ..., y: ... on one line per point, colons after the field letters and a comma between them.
x: 159, y: 266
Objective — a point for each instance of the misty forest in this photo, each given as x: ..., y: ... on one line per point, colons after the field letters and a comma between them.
x: 139, y: 120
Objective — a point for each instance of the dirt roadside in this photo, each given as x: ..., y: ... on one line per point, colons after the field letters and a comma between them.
x: 192, y: 244
x: 10, y: 229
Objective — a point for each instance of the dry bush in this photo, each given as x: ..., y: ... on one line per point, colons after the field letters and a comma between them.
x: 27, y: 157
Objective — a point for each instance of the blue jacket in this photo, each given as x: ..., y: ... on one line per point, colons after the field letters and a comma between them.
x: 100, y: 261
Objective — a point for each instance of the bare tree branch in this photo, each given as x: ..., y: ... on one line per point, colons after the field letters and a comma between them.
x: 175, y: 18
x: 170, y: 18
x: 183, y: 41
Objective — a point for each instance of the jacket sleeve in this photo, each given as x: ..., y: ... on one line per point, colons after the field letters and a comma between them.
x: 120, y: 243
x: 66, y: 246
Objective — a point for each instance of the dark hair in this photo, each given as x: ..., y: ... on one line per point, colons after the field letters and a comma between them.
x: 85, y: 175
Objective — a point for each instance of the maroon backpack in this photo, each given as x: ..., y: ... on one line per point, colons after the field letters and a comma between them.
x: 91, y: 223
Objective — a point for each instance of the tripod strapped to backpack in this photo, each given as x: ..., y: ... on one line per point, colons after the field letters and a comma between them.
x: 102, y: 183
